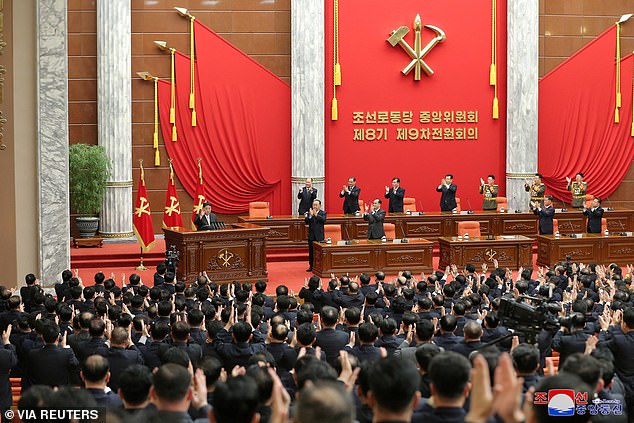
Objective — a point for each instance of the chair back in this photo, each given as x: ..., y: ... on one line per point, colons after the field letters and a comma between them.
x: 503, y: 204
x: 333, y: 232
x: 555, y: 226
x: 259, y: 209
x: 604, y: 224
x: 390, y: 230
x: 469, y: 227
x: 409, y: 203
x: 589, y: 198
x: 458, y: 209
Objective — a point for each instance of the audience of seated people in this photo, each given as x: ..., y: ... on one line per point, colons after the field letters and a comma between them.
x: 366, y: 348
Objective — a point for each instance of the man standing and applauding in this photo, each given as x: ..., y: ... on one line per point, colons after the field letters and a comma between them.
x: 595, y: 215
x: 315, y: 219
x: 375, y: 220
x: 306, y: 196
x: 545, y: 213
x: 448, y: 196
x: 350, y: 194
x: 395, y: 194
x: 490, y: 192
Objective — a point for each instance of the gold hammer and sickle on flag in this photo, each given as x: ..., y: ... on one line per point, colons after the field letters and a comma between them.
x: 143, y: 208
x: 174, y: 206
x: 199, y: 204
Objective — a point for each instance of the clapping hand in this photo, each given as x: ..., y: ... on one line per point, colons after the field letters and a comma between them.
x: 367, y: 207
x: 481, y: 181
x: 568, y: 180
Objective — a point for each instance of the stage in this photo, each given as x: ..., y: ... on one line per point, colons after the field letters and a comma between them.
x: 288, y: 268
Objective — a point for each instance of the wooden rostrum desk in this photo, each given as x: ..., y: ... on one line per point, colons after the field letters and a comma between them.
x: 290, y: 230
x: 236, y: 253
x: 512, y: 251
x: 369, y: 256
x: 587, y: 248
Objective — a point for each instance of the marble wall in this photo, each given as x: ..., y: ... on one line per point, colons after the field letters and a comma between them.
x: 522, y: 91
x: 52, y: 81
x: 307, y: 84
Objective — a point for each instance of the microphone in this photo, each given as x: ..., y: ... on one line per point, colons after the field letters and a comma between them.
x: 610, y: 208
x: 563, y: 206
x: 345, y: 229
x: 470, y: 211
x: 513, y: 199
x: 400, y: 225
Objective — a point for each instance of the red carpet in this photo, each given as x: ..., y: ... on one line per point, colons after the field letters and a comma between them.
x: 284, y: 267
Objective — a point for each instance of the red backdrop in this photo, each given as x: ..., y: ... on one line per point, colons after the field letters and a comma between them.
x: 372, y: 82
x: 577, y: 132
x: 243, y: 127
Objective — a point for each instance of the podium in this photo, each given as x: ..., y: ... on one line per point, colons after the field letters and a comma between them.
x: 235, y: 253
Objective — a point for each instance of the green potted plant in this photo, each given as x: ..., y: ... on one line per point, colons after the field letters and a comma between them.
x: 89, y: 170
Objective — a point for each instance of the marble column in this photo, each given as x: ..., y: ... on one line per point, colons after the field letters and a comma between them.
x: 52, y: 84
x: 522, y: 89
x: 114, y: 112
x: 307, y: 85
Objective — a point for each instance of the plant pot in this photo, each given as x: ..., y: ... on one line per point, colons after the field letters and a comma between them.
x: 87, y: 226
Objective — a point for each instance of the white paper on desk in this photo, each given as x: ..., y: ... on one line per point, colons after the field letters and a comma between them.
x: 507, y: 237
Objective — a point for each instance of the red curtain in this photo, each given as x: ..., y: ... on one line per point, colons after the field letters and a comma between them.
x: 577, y: 132
x: 243, y: 131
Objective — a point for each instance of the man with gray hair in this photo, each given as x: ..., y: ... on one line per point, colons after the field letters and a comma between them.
x: 325, y: 402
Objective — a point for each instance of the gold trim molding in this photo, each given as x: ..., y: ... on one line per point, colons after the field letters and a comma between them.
x: 510, y: 175
x: 302, y: 179
x: 123, y: 184
x: 123, y: 235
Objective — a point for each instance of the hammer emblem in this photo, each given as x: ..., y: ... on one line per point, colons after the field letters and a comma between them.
x: 418, y: 53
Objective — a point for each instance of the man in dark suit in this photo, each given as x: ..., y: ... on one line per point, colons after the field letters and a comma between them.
x: 306, y: 196
x: 61, y: 289
x: 27, y: 292
x: 448, y: 196
x: 566, y: 343
x: 395, y: 194
x: 471, y: 341
x: 121, y: 354
x: 315, y: 218
x: 52, y: 365
x: 329, y: 339
x: 350, y: 194
x: 95, y: 373
x: 204, y: 217
x: 159, y: 276
x: 8, y: 359
x: 375, y: 220
x: 546, y: 214
x: 595, y: 214
x: 620, y: 340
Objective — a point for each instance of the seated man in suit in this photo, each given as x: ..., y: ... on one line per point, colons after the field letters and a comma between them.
x: 350, y: 194
x: 395, y: 194
x: 204, y: 217
x: 375, y: 220
x: 545, y: 213
x: 595, y: 214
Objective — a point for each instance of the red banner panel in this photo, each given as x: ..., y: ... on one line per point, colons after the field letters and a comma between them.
x: 391, y: 125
